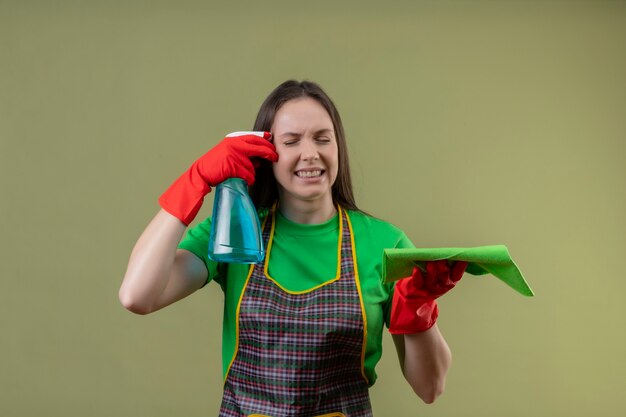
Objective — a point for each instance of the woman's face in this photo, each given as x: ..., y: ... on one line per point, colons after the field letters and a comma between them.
x: 305, y: 141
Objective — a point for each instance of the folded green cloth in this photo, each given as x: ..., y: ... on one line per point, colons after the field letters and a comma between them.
x: 495, y: 260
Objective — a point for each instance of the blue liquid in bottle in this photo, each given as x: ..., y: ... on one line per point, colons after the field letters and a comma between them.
x: 235, y: 228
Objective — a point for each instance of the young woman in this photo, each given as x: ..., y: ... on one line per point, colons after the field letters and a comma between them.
x: 302, y: 331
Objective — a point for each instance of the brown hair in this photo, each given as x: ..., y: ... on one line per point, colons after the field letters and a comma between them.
x: 264, y: 191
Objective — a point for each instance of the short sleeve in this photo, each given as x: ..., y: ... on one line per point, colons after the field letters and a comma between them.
x: 196, y: 241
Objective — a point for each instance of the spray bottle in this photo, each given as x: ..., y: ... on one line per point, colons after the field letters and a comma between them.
x: 235, y: 234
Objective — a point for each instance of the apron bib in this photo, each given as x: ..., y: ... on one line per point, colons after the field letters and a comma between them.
x: 299, y: 353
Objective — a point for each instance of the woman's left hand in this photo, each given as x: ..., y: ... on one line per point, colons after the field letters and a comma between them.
x: 436, y: 279
x: 414, y: 308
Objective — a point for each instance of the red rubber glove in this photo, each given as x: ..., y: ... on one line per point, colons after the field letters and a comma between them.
x: 414, y: 308
x: 228, y: 159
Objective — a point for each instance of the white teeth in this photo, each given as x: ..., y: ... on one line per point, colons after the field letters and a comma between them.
x: 309, y: 174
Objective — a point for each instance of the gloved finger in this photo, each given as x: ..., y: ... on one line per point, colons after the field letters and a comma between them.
x: 458, y: 269
x: 417, y: 277
x: 244, y: 169
x: 430, y: 277
x: 406, y: 289
x: 437, y: 273
x: 255, y: 146
x: 247, y: 176
x: 441, y: 281
x: 445, y: 277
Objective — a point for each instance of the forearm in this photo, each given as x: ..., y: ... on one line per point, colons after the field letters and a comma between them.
x: 151, y: 263
x: 425, y: 359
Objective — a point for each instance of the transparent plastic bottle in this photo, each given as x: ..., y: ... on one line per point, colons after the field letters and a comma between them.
x: 235, y: 227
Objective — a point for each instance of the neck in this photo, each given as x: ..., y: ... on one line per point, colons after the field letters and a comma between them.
x: 307, y: 212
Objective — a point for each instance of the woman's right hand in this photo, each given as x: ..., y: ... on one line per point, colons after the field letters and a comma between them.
x: 228, y: 159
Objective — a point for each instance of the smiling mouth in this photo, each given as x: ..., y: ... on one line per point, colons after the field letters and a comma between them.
x: 310, y: 173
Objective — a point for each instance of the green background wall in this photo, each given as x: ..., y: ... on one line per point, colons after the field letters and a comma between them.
x: 469, y: 123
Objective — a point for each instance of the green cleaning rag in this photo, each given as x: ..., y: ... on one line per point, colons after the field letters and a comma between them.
x: 495, y: 260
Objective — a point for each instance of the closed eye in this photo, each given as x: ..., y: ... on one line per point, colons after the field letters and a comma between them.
x: 290, y: 139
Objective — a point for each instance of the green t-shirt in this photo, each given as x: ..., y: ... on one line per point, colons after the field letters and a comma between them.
x: 305, y: 256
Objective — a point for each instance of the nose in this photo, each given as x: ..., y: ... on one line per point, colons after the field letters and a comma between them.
x: 309, y: 151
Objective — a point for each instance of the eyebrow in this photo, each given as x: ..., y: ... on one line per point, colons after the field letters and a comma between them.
x: 316, y: 132
x: 325, y: 131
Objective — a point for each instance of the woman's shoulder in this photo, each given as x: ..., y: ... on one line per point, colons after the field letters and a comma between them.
x: 365, y: 224
x: 369, y: 220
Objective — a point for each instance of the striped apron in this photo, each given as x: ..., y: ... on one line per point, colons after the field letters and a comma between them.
x: 300, y: 353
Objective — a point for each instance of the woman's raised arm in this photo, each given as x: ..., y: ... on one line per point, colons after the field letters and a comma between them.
x: 158, y: 273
